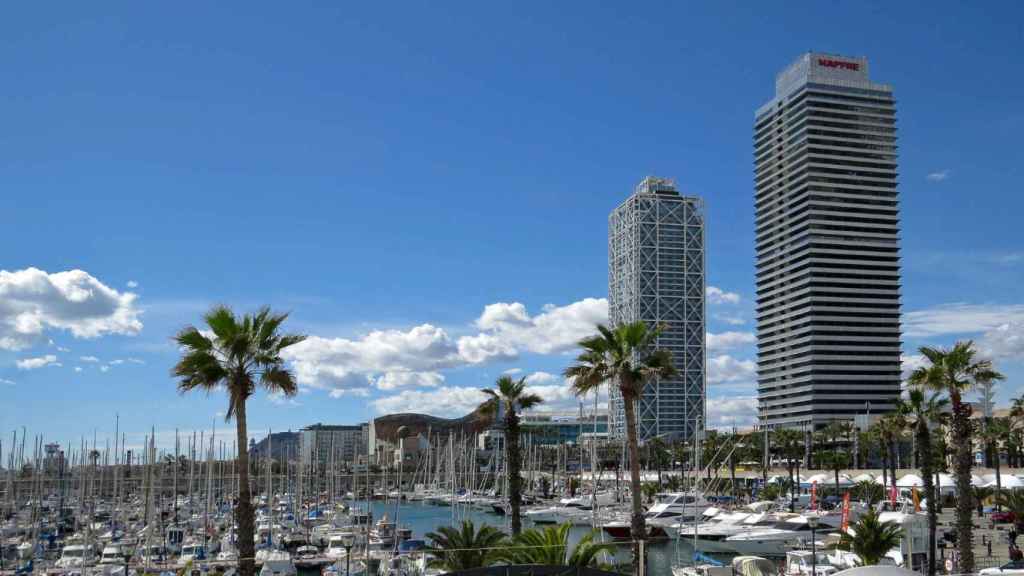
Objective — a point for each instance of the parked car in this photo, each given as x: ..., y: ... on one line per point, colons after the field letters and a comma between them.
x: 1003, y: 517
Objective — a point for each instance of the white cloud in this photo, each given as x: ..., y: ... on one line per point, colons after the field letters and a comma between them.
x: 360, y: 392
x: 725, y: 369
x: 508, y: 329
x: 341, y: 363
x: 282, y: 400
x: 445, y: 401
x: 33, y: 301
x: 739, y: 411
x: 732, y: 320
x: 1005, y: 341
x: 538, y: 378
x: 393, y: 380
x: 512, y: 371
x: 131, y: 284
x: 63, y: 349
x: 938, y: 176
x: 91, y: 359
x: 911, y: 362
x: 390, y: 359
x: 78, y: 368
x: 7, y: 382
x: 104, y: 368
x: 716, y: 295
x: 117, y: 362
x: 39, y: 362
x: 960, y: 318
x: 727, y: 340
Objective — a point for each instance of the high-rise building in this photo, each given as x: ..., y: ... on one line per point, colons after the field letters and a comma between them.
x: 324, y: 443
x: 828, y: 264
x: 656, y: 274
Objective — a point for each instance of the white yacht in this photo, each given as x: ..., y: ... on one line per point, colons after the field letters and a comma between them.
x: 786, y: 534
x: 76, y: 556
x: 676, y: 507
x: 112, y: 554
x: 277, y: 563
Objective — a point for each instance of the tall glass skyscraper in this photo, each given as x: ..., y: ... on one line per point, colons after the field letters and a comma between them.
x: 828, y: 263
x: 656, y: 274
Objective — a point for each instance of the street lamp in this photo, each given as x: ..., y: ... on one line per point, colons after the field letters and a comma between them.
x: 812, y: 521
x: 347, y: 541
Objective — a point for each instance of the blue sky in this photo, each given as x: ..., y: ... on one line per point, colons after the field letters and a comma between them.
x: 388, y: 172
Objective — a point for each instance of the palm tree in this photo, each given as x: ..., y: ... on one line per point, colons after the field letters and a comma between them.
x: 505, y: 401
x: 992, y: 433
x: 922, y: 409
x: 869, y: 491
x: 955, y: 371
x: 890, y: 429
x: 871, y: 539
x: 787, y: 442
x: 626, y: 356
x: 550, y: 546
x: 466, y: 547
x: 237, y: 354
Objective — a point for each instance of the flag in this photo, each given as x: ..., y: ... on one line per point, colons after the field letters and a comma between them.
x: 814, y: 495
x: 846, y: 512
x: 917, y: 499
x: 892, y: 496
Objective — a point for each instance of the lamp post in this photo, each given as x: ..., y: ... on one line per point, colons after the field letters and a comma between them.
x: 347, y: 541
x: 812, y: 521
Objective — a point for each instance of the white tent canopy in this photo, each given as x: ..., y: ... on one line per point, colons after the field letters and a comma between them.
x: 1007, y: 481
x: 910, y: 481
x: 865, y: 477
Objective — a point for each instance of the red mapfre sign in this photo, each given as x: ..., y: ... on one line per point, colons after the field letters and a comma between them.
x: 829, y: 63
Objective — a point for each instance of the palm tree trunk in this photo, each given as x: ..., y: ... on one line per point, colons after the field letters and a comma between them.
x: 999, y: 480
x: 637, y: 527
x: 924, y: 457
x: 243, y: 508
x: 962, y: 462
x: 892, y: 462
x: 515, y: 496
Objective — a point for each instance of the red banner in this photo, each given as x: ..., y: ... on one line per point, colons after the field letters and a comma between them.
x: 892, y: 496
x: 846, y: 512
x: 814, y: 495
x: 917, y: 499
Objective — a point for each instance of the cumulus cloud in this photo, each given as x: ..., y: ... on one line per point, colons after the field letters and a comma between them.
x: 391, y: 359
x: 33, y: 301
x: 38, y: 362
x: 738, y: 411
x: 507, y: 328
x: 727, y: 340
x: 444, y: 401
x: 725, y: 369
x: 716, y: 295
x: 393, y: 380
x: 938, y: 175
x: 131, y: 284
x: 1005, y: 341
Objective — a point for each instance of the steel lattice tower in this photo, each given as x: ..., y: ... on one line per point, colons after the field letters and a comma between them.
x: 656, y: 274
